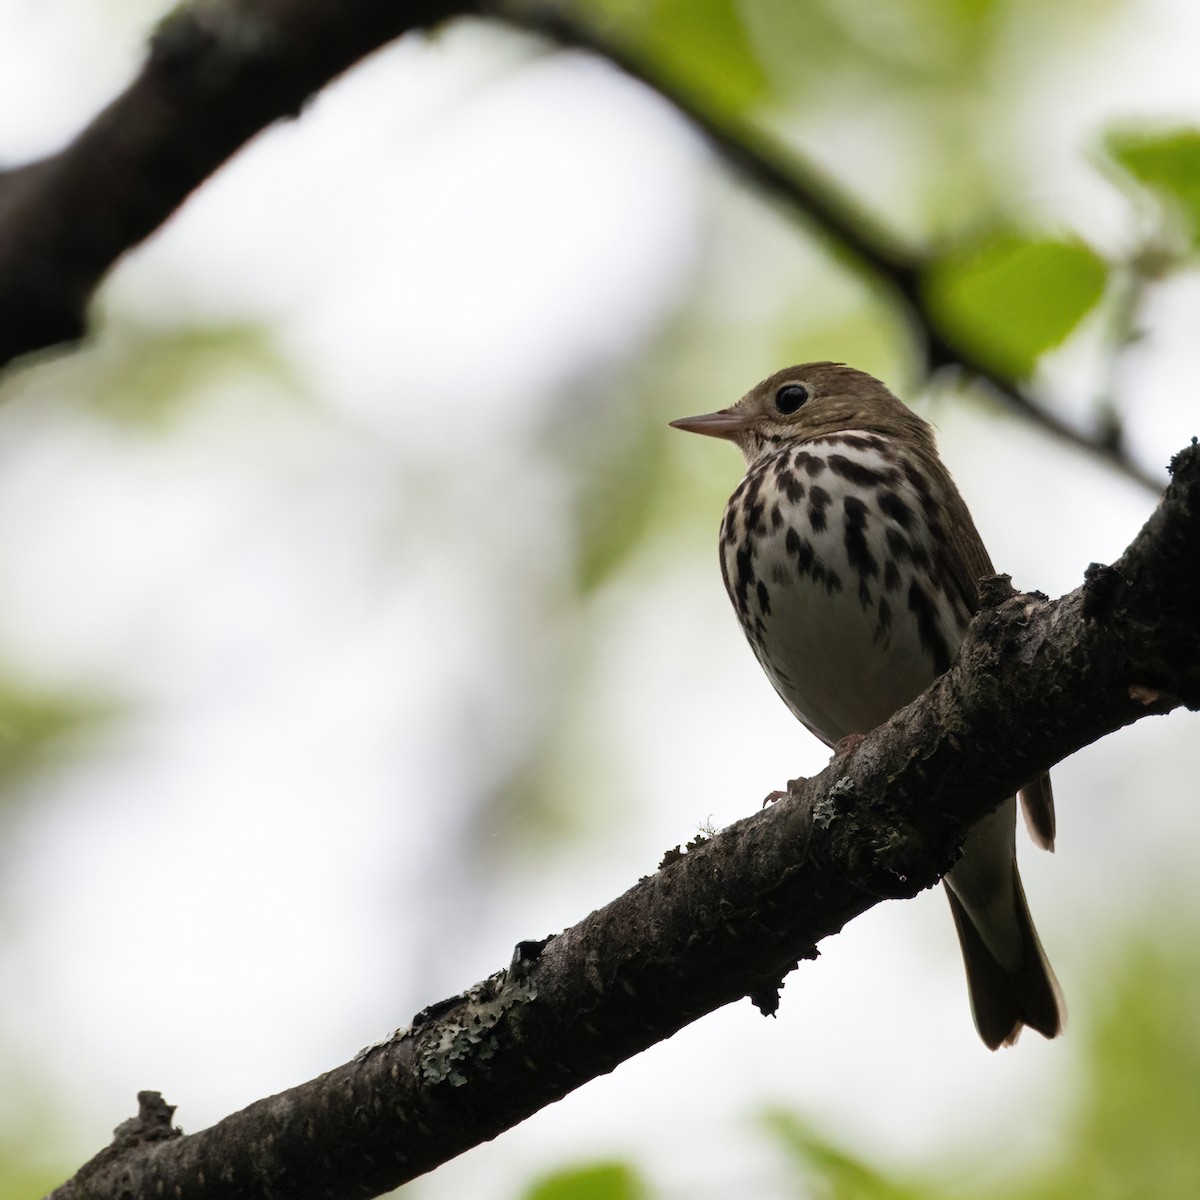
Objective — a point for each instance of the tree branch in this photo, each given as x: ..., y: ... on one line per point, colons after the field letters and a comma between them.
x: 814, y: 199
x: 1035, y: 680
x: 217, y: 73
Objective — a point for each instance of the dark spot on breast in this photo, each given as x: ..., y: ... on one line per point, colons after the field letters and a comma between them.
x: 727, y: 528
x: 833, y: 582
x: 929, y: 628
x: 754, y: 483
x: 858, y: 441
x: 884, y: 623
x: 920, y: 485
x: 790, y: 486
x: 818, y: 501
x: 745, y: 577
x: 754, y: 516
x: 776, y: 517
x: 764, y: 598
x: 854, y: 472
x: 811, y: 464
x: 802, y: 549
x: 892, y: 506
x: 964, y: 603
x: 857, y: 550
x: 891, y: 576
x: 902, y: 550
x: 898, y: 545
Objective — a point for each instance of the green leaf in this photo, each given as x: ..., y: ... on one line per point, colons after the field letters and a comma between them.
x: 839, y: 1173
x: 703, y: 44
x: 1168, y: 165
x: 19, y: 1180
x: 600, y: 1181
x: 1010, y: 298
x: 148, y: 376
x: 1134, y: 1133
x: 35, y: 725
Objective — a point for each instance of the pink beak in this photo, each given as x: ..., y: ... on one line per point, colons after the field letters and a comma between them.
x: 727, y: 423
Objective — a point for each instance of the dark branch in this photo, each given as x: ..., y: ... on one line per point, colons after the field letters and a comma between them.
x: 216, y: 74
x: 219, y: 73
x: 817, y: 201
x: 1035, y: 680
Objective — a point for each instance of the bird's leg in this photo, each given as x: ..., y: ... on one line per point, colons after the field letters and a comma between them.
x: 792, y: 785
x: 850, y: 742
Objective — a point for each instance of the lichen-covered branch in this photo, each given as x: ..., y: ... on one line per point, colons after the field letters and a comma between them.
x: 1035, y: 680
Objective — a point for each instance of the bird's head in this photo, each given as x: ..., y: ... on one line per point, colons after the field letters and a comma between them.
x: 813, y: 400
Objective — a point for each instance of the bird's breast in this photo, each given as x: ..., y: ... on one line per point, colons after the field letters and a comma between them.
x: 829, y: 551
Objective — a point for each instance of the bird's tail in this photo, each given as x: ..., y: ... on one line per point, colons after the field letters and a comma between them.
x: 1010, y: 981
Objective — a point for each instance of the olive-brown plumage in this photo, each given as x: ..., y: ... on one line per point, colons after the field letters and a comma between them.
x: 853, y: 565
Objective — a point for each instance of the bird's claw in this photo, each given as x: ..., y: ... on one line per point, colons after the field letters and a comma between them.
x: 850, y: 742
x: 792, y: 785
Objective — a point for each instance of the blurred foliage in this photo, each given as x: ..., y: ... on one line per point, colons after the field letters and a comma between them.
x: 161, y: 369
x: 20, y: 1182
x: 916, y: 43
x: 35, y: 1126
x: 37, y: 723
x: 831, y: 1172
x: 600, y: 1181
x: 620, y: 484
x: 144, y: 378
x: 1168, y: 166
x: 780, y: 51
x: 1011, y: 297
x: 1133, y: 1132
x: 915, y: 104
x: 702, y: 42
x: 152, y: 374
x: 553, y: 794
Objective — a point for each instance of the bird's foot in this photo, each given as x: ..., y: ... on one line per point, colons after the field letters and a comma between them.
x: 775, y: 797
x: 850, y: 742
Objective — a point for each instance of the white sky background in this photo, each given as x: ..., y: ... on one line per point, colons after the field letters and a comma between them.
x: 292, y: 591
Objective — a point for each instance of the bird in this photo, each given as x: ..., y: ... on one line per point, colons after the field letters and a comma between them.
x: 853, y: 565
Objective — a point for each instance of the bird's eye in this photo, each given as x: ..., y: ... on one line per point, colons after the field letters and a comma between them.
x: 790, y: 397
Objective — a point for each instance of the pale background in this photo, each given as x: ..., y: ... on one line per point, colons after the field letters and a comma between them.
x: 370, y: 729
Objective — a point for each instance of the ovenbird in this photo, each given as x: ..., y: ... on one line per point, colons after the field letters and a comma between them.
x: 854, y: 565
